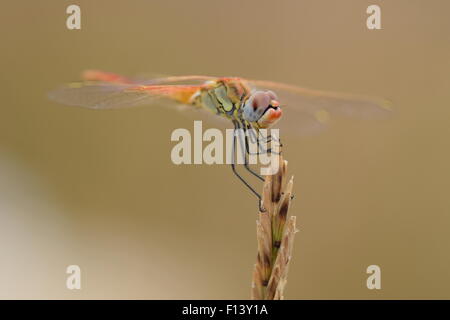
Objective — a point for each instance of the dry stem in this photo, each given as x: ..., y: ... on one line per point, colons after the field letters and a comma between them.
x: 275, y: 237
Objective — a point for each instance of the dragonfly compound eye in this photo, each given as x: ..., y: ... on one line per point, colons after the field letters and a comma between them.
x: 262, y: 107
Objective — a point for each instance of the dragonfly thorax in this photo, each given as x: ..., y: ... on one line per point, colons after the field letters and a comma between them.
x: 223, y: 97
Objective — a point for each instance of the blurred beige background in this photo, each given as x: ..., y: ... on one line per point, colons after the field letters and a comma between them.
x: 98, y: 189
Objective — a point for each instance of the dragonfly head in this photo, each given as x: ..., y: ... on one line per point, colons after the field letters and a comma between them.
x: 262, y: 108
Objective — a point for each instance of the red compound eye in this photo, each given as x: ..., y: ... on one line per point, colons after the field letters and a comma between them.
x: 261, y: 100
x: 255, y: 105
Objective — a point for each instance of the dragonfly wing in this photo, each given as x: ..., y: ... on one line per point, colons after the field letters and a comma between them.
x: 308, y: 111
x: 142, y: 79
x: 300, y: 123
x: 101, y: 95
x: 154, y: 79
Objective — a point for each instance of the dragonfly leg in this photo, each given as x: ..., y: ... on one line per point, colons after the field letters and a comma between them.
x: 233, y: 166
x: 246, y: 151
x: 270, y: 139
x: 260, y: 141
x: 262, y: 138
x: 251, y: 135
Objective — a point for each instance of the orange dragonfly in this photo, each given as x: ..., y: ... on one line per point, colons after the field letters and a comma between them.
x: 248, y: 104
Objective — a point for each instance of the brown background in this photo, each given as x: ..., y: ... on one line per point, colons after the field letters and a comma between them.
x: 98, y: 189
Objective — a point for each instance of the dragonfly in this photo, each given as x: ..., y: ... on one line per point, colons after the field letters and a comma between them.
x: 249, y: 105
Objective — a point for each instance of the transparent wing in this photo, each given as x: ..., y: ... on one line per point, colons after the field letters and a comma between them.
x: 142, y: 79
x: 101, y: 95
x: 153, y: 80
x: 308, y: 111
